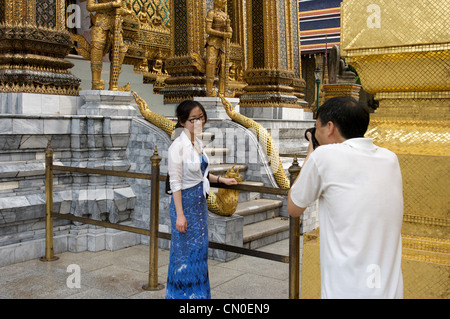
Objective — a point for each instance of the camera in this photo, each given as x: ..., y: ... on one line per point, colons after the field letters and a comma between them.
x: 312, y: 130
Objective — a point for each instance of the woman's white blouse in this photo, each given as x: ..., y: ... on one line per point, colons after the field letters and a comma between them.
x: 184, y: 165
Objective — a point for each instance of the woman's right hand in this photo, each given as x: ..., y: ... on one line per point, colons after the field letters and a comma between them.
x: 181, y: 223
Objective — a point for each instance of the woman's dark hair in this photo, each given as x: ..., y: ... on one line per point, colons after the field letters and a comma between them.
x: 185, y: 108
x: 349, y: 116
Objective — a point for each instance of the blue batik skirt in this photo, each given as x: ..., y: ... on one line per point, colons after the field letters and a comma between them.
x: 188, y: 263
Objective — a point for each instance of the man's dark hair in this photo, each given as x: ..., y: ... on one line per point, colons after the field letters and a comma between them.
x: 347, y: 114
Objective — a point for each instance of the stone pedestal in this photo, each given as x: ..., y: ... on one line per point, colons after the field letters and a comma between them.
x: 107, y: 103
x: 39, y: 104
x: 277, y: 113
x: 225, y: 230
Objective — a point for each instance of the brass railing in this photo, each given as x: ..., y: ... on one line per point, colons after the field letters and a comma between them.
x: 294, y: 224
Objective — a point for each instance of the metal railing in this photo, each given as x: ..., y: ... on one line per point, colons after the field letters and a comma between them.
x: 153, y: 232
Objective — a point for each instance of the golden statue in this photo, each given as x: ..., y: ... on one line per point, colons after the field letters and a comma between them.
x: 157, y: 20
x: 143, y: 17
x: 106, y: 38
x: 217, y: 46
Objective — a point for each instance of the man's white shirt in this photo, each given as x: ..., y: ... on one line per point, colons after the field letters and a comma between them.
x: 359, y: 187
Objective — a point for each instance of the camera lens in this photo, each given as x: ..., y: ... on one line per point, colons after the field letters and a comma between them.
x: 312, y: 130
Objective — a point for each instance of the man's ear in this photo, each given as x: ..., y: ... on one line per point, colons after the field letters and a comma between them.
x: 333, y: 133
x: 330, y: 129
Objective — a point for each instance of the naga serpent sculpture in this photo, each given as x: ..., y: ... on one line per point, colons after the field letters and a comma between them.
x: 226, y: 200
x: 264, y: 138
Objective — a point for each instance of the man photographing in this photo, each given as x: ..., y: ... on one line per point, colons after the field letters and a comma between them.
x: 359, y: 188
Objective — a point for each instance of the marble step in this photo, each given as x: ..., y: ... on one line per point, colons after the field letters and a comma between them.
x: 248, y: 196
x: 215, y: 151
x: 217, y: 155
x: 207, y: 138
x: 266, y: 232
x: 258, y: 210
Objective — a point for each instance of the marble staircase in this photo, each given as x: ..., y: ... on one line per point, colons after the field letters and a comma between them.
x: 262, y: 222
x: 265, y: 219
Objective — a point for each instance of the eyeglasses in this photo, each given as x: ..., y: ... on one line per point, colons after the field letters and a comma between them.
x: 199, y: 119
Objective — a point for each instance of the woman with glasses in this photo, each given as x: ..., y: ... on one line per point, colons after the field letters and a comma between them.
x: 189, y: 181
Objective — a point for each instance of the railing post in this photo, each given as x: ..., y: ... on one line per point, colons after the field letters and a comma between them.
x: 154, y: 224
x: 49, y: 255
x: 294, y: 242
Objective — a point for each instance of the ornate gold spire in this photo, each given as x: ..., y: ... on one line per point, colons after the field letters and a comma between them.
x: 34, y: 44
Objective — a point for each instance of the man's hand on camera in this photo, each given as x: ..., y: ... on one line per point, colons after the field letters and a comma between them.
x: 310, y: 145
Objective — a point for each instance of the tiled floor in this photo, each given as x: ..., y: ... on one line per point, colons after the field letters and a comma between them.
x: 121, y: 274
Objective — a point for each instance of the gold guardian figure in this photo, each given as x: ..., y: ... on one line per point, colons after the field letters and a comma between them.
x: 106, y: 38
x: 218, y: 28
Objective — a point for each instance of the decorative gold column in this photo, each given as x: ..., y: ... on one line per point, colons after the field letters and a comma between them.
x: 152, y: 46
x: 186, y: 66
x: 400, y: 50
x: 34, y: 43
x: 273, y: 72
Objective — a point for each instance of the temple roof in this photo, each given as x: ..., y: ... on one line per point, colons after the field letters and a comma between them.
x: 320, y: 25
